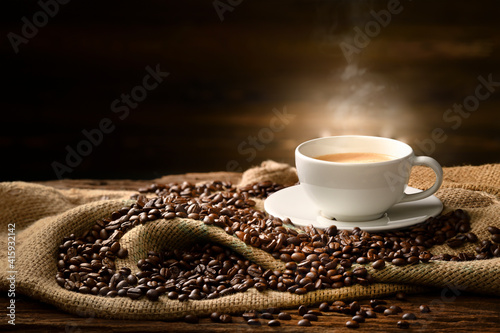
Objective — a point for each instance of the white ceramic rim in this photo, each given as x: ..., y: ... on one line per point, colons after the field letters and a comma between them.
x: 315, y: 160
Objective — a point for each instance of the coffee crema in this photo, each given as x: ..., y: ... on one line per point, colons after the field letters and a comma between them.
x: 355, y: 157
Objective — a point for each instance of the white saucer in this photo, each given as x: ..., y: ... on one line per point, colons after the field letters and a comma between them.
x: 292, y: 202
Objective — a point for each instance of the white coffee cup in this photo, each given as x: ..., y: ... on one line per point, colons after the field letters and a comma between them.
x: 356, y: 192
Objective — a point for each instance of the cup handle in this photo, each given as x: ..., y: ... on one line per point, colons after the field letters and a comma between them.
x: 434, y: 165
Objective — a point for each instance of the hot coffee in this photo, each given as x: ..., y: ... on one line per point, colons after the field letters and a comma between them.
x: 355, y: 189
x: 355, y: 157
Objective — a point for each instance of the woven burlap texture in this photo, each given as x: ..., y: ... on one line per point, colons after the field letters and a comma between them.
x: 43, y: 216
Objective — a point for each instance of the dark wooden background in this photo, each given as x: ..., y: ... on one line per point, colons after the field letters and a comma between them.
x: 226, y: 77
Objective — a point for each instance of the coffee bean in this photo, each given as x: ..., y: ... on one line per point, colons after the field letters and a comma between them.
x: 495, y: 238
x: 273, y: 323
x: 354, y: 307
x: 249, y: 315
x: 122, y: 284
x: 396, y: 309
x: 266, y: 315
x: 172, y: 295
x: 378, y: 264
x: 152, y: 294
x: 388, y: 312
x: 133, y: 293
x: 360, y: 272
x: 409, y: 316
x: 379, y: 308
x: 122, y: 253
x: 225, y: 318
x: 398, y: 262
x: 324, y: 307
x: 371, y: 314
x: 284, y: 316
x: 314, y: 312
x: 303, y: 310
x: 352, y: 324
x: 298, y: 257
x: 215, y: 316
x: 493, y: 230
x: 471, y: 237
x: 304, y: 322
x: 254, y: 322
x: 359, y: 319
x: 310, y: 317
x: 454, y: 242
x: 403, y: 324
x: 424, y: 309
x: 300, y: 291
x: 191, y: 319
x: 375, y: 302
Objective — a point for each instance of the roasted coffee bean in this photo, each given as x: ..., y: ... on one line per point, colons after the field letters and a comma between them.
x: 403, y: 324
x: 310, y: 317
x: 359, y: 319
x: 314, y: 312
x: 371, y: 314
x: 388, y: 312
x: 398, y: 262
x: 284, y: 316
x: 191, y: 319
x: 396, y: 309
x: 378, y: 264
x: 253, y: 322
x: 495, y: 238
x: 362, y: 260
x: 152, y: 294
x: 303, y: 310
x: 352, y: 324
x: 123, y: 293
x: 304, y: 322
x: 133, y: 293
x: 298, y: 257
x: 409, y: 316
x: 354, y: 307
x: 471, y: 237
x: 375, y: 302
x: 424, y: 309
x: 215, y: 316
x: 273, y: 323
x: 225, y: 318
x: 122, y: 253
x: 172, y: 295
x: 361, y: 312
x: 324, y: 307
x: 493, y: 230
x: 266, y: 315
x: 454, y: 242
x: 249, y: 315
x: 300, y: 291
x: 379, y: 308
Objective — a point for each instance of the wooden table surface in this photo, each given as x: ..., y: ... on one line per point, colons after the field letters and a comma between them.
x: 450, y: 312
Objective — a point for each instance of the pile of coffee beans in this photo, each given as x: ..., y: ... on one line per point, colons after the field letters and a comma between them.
x: 314, y: 259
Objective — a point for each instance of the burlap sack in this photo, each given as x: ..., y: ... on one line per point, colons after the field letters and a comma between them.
x: 43, y: 216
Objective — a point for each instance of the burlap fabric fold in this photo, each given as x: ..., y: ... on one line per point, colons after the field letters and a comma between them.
x: 43, y: 216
